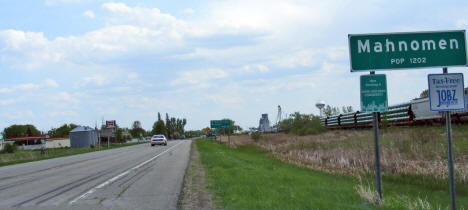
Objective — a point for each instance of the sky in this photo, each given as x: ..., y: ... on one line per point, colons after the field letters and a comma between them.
x: 82, y: 61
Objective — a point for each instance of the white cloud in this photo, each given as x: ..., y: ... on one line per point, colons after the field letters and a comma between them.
x: 66, y: 113
x: 188, y: 11
x: 96, y: 79
x: 199, y: 78
x: 89, y: 14
x: 132, y: 76
x: 48, y: 83
x: 64, y: 96
x: 19, y: 115
x: 7, y: 101
x: 224, y: 99
x: 6, y: 90
x: 462, y: 23
x: 251, y: 68
x: 28, y: 86
x: 54, y: 2
x: 51, y: 83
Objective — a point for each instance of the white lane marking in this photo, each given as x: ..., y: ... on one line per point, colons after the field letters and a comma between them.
x: 92, y: 190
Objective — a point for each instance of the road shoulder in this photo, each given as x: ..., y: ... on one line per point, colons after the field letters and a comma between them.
x: 195, y: 194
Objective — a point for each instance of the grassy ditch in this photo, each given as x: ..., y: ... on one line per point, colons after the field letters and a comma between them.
x: 23, y: 156
x: 247, y: 177
x: 419, y: 151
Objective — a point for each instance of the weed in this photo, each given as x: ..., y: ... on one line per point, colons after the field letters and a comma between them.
x: 10, y: 148
x: 122, y: 191
x: 368, y: 194
x: 256, y: 136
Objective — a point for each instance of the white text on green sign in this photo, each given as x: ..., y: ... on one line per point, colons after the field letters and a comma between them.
x: 374, y: 93
x: 407, y: 50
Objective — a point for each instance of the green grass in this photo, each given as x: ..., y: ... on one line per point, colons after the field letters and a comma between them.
x: 24, y: 156
x: 248, y: 178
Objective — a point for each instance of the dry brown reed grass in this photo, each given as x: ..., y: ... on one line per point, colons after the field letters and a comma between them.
x: 403, y: 151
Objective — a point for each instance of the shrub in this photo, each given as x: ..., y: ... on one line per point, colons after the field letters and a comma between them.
x: 302, y: 124
x: 256, y: 136
x: 10, y: 148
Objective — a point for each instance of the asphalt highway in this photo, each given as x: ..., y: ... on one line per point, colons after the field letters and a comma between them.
x: 135, y: 177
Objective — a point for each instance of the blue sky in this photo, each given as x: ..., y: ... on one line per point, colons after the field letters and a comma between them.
x: 78, y: 61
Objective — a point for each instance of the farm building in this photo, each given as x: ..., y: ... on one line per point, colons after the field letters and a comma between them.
x: 36, y: 142
x: 27, y: 142
x: 83, y: 136
x: 57, y: 143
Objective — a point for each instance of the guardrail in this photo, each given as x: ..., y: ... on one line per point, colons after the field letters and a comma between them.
x: 397, y: 114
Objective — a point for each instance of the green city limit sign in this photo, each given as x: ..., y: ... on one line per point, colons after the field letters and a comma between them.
x: 220, y: 123
x: 369, y: 52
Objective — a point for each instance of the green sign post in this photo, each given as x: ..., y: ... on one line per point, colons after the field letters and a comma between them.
x: 370, y: 52
x: 220, y: 124
x: 374, y: 93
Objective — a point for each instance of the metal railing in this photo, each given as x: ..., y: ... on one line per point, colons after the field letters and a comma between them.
x: 400, y: 113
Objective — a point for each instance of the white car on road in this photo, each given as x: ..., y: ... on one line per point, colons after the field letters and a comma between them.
x: 158, y: 139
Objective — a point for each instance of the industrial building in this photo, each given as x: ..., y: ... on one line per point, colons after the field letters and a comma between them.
x: 83, y: 136
x: 264, y: 124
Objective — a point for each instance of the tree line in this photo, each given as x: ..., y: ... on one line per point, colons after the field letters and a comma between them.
x: 172, y: 127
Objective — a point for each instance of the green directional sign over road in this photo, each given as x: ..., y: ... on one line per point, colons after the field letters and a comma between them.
x: 374, y: 93
x: 220, y: 124
x: 369, y: 52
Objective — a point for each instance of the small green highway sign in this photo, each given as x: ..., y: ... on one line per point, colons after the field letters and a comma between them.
x: 386, y: 51
x: 220, y: 124
x: 374, y: 93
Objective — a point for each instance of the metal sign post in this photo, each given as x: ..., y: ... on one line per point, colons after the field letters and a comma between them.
x: 448, y: 122
x: 446, y: 93
x: 378, y: 176
x: 374, y: 99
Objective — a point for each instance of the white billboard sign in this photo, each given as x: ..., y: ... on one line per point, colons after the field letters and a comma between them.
x: 446, y: 92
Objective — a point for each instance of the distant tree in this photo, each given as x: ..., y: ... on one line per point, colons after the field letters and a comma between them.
x: 159, y: 116
x: 347, y: 109
x: 159, y: 128
x: 62, y: 131
x: 137, y: 131
x: 330, y: 111
x: 20, y: 131
x: 119, y: 135
x: 168, y: 126
x: 424, y: 94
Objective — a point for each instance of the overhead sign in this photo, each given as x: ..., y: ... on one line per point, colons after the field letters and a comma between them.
x: 369, y: 52
x: 220, y: 124
x: 374, y: 93
x: 446, y: 92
